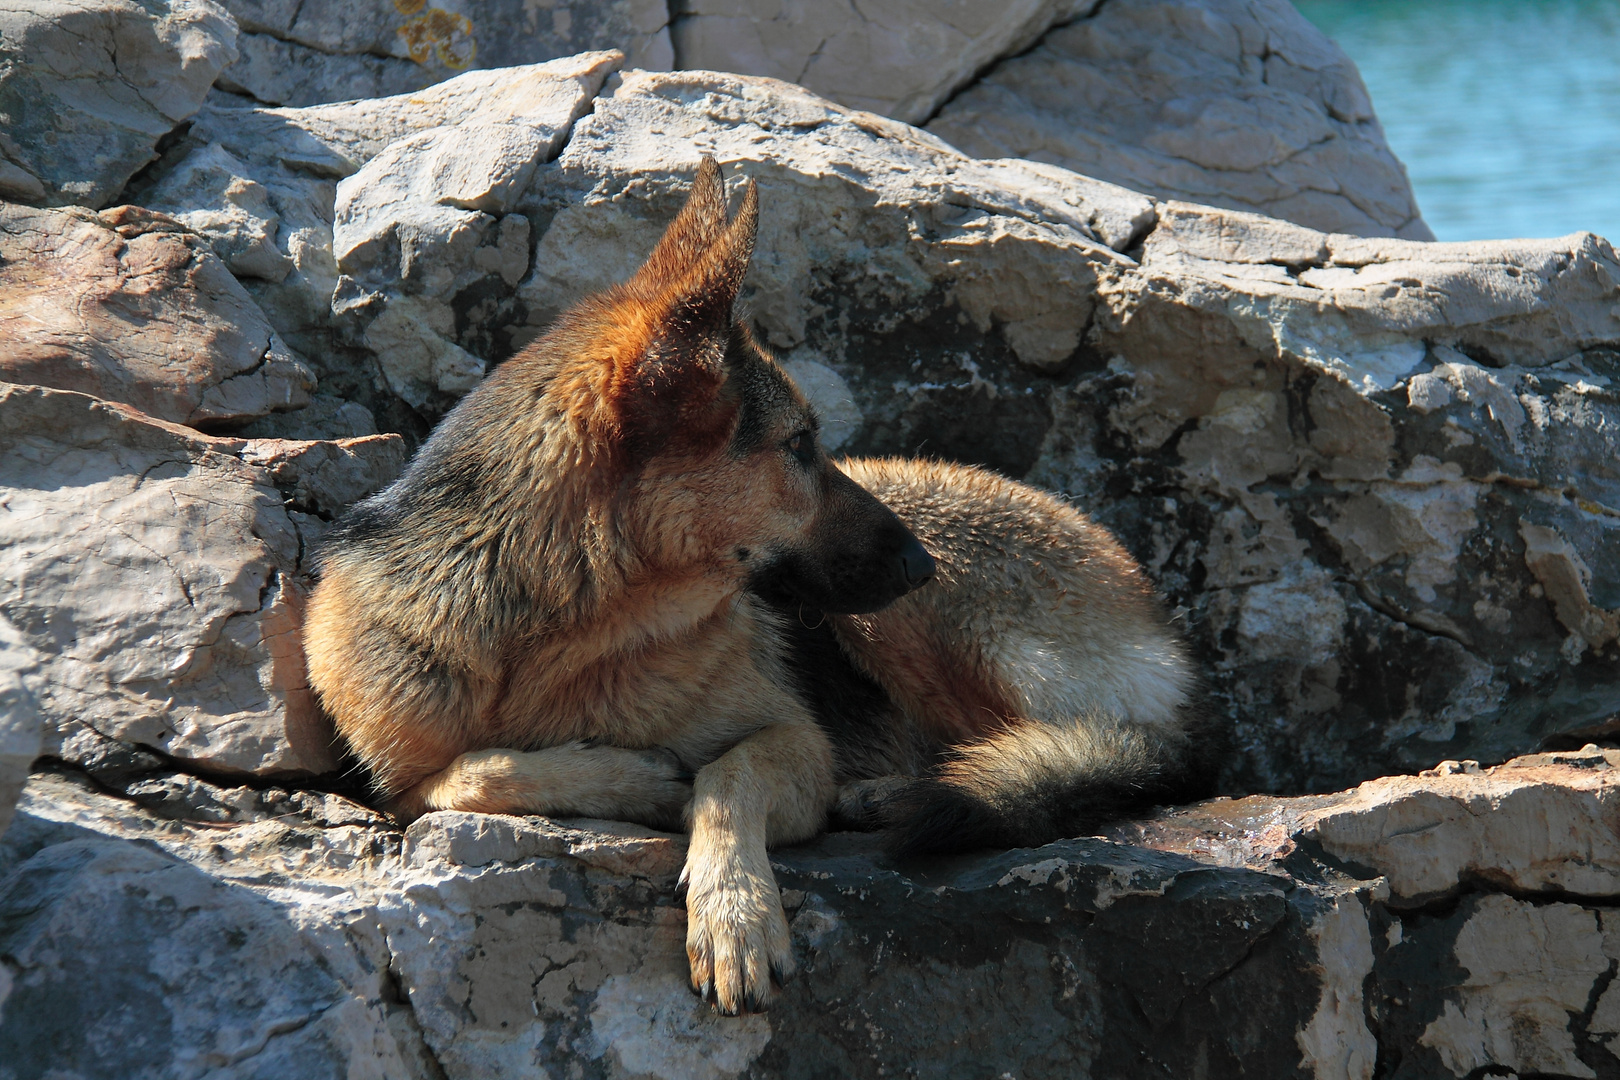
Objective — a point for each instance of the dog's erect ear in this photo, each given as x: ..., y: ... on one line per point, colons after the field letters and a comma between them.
x: 675, y: 384
x: 695, y: 228
x: 700, y: 302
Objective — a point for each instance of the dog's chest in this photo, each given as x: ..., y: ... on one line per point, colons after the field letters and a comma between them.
x: 707, y: 683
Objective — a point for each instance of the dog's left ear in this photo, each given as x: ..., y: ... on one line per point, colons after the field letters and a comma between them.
x: 700, y: 302
x: 675, y: 385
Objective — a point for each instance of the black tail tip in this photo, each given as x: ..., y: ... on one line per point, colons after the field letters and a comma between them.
x: 934, y: 818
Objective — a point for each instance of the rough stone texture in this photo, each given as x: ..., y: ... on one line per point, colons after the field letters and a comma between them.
x: 130, y: 306
x: 1378, y: 474
x: 900, y: 58
x: 305, y: 52
x: 88, y: 87
x: 1234, y: 103
x: 155, y: 572
x: 20, y: 725
x: 262, y: 185
x: 274, y: 932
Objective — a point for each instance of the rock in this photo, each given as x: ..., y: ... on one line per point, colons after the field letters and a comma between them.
x: 262, y: 184
x: 324, y: 477
x: 1536, y: 825
x: 900, y: 58
x: 325, y: 50
x: 300, y: 933
x: 88, y: 87
x: 156, y: 573
x: 131, y: 306
x: 326, y: 417
x: 1328, y: 449
x: 1377, y: 474
x: 1229, y: 103
x: 20, y: 724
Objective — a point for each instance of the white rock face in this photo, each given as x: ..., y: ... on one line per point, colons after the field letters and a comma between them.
x: 427, y: 219
x: 900, y: 58
x: 1274, y: 388
x: 132, y: 307
x: 1232, y: 103
x: 1530, y: 967
x: 314, y: 51
x: 297, y: 933
x: 262, y: 184
x: 21, y: 727
x: 155, y: 573
x: 87, y: 87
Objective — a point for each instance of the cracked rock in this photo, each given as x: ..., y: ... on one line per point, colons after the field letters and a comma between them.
x: 88, y: 87
x: 1328, y: 449
x: 157, y: 576
x: 1240, y: 104
x: 20, y: 723
x: 133, y: 307
x: 1255, y: 937
x: 262, y: 185
x: 306, y: 52
x: 900, y: 58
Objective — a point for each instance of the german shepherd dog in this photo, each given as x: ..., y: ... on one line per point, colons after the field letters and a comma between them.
x: 621, y: 579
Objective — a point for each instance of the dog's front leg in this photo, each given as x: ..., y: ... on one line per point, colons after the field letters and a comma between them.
x: 773, y: 787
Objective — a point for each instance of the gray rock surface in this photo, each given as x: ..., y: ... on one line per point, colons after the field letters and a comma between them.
x: 262, y: 185
x: 131, y: 306
x: 21, y: 726
x: 1234, y: 103
x: 155, y: 573
x: 1330, y: 450
x: 280, y: 932
x: 1376, y: 473
x: 900, y: 58
x: 88, y: 87
x: 1231, y: 103
x: 305, y: 52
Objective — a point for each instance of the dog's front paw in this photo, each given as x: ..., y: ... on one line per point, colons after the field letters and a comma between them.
x: 736, y: 934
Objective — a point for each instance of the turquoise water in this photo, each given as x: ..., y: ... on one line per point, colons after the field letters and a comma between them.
x: 1506, y: 112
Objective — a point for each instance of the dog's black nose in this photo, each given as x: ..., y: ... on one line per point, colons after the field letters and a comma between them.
x: 916, y: 565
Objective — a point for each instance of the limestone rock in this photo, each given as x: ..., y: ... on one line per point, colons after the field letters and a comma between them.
x: 156, y: 573
x: 132, y: 307
x: 318, y: 51
x: 300, y: 933
x: 326, y: 417
x: 900, y: 58
x: 1330, y: 450
x: 326, y: 476
x: 1538, y: 824
x: 88, y: 87
x: 262, y: 185
x: 1233, y: 103
x: 1376, y: 474
x: 20, y: 724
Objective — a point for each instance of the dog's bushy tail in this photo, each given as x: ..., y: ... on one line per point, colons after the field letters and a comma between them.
x: 1038, y: 782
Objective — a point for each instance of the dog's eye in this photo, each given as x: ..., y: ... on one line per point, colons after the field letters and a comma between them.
x: 803, y: 447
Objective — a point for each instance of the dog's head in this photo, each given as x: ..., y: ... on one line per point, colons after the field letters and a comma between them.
x: 723, y: 470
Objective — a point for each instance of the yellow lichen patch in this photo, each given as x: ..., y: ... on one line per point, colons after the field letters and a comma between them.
x: 442, y: 33
x: 409, y: 7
